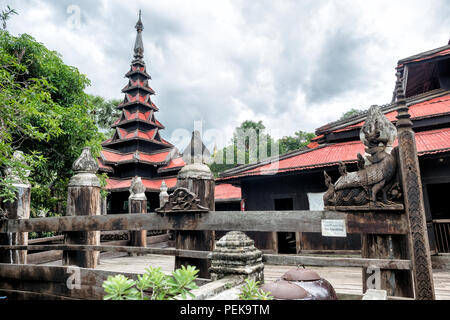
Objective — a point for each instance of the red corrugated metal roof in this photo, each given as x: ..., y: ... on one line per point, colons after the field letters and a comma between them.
x: 429, y: 108
x: 150, y: 185
x: 443, y: 52
x: 227, y: 191
x: 434, y: 141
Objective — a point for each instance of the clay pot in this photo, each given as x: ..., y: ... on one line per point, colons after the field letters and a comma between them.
x: 311, y: 285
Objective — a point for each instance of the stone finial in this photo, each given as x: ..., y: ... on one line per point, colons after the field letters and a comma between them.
x: 85, y: 168
x: 196, y: 151
x: 235, y: 255
x: 137, y: 189
x: 163, y: 195
x: 13, y: 174
x: 85, y: 162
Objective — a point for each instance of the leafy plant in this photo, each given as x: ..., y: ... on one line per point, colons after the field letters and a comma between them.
x: 120, y: 287
x: 251, y: 291
x: 162, y: 287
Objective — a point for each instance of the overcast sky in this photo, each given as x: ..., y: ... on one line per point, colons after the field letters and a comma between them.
x: 295, y: 65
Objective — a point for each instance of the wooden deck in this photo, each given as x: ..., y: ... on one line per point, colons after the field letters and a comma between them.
x: 344, y: 280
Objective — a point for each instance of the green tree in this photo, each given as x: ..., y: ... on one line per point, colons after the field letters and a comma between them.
x: 44, y: 112
x: 249, y: 144
x: 5, y: 15
x: 263, y: 142
x: 299, y: 140
x: 104, y: 112
x: 350, y: 113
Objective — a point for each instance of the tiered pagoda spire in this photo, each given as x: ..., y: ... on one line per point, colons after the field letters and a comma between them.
x: 137, y: 148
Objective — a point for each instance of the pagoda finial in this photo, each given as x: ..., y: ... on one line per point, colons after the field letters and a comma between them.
x: 139, y: 45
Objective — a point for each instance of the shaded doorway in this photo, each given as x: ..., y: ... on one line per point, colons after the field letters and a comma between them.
x: 286, y: 240
x: 440, y: 213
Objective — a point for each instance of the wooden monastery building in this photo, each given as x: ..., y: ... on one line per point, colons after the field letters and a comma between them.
x: 298, y: 183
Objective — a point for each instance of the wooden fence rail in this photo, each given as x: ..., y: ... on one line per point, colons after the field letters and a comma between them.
x: 392, y: 264
x: 264, y: 221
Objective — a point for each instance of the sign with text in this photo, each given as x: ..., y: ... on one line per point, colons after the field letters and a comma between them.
x: 333, y: 228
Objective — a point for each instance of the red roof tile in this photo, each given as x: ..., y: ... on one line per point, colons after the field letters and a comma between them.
x: 174, y: 163
x: 157, y: 157
x: 434, y: 141
x: 227, y: 191
x: 116, y: 157
x: 150, y: 185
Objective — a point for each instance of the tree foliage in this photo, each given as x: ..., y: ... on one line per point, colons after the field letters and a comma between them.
x: 300, y: 140
x: 44, y: 112
x: 5, y: 15
x: 350, y: 113
x: 244, y: 151
x: 104, y: 112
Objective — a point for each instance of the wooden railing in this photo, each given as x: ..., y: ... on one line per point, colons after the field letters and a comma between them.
x: 442, y: 235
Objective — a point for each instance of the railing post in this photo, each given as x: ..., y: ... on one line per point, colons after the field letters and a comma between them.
x: 137, y: 203
x: 381, y: 246
x: 18, y: 209
x: 413, y: 198
x: 197, y: 178
x: 83, y: 198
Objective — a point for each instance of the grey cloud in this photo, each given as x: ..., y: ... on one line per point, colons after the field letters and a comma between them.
x: 324, y: 57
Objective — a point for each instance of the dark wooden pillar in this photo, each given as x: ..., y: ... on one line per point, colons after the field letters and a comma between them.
x: 83, y: 198
x: 413, y: 200
x: 396, y: 282
x: 197, y: 178
x: 137, y: 203
x: 18, y: 209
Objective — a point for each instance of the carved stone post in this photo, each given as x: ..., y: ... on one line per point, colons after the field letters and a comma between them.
x: 163, y: 195
x: 83, y: 198
x: 18, y: 209
x: 236, y: 255
x: 137, y: 203
x: 413, y: 200
x: 197, y: 178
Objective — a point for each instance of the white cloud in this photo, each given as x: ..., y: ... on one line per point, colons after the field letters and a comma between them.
x: 293, y: 64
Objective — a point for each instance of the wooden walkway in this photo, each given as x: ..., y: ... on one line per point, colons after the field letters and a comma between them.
x: 344, y: 280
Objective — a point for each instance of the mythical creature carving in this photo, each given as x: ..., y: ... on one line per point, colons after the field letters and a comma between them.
x: 182, y: 200
x: 375, y: 184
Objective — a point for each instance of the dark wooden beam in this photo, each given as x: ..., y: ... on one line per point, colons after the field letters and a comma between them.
x: 336, y: 262
x: 277, y: 221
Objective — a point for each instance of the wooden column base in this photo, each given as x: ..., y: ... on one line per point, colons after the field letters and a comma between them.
x: 195, y: 240
x: 397, y: 283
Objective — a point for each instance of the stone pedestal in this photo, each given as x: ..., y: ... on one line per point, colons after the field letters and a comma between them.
x: 236, y: 255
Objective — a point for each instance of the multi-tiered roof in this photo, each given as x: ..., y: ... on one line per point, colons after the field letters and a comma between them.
x: 137, y: 148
